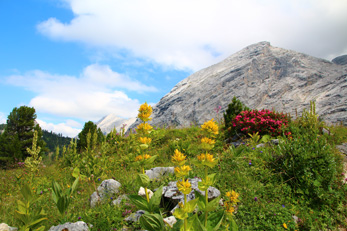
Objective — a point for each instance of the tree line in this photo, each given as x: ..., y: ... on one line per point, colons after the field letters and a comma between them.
x: 17, y: 135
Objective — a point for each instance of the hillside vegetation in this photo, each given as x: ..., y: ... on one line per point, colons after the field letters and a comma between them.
x: 296, y: 182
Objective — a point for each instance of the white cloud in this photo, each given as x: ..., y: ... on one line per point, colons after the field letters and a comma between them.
x: 94, y: 94
x: 3, y: 118
x: 64, y: 128
x: 191, y: 34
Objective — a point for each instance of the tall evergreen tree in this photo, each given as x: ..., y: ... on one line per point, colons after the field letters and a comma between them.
x: 89, y: 127
x: 19, y: 132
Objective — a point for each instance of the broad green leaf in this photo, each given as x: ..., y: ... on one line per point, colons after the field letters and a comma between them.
x: 62, y: 204
x: 150, y: 160
x: 74, y: 185
x: 180, y: 213
x: 233, y: 225
x: 42, y: 228
x: 140, y: 202
x: 191, y: 205
x: 26, y: 192
x: 194, y: 224
x: 212, y: 205
x: 201, y: 201
x: 155, y: 199
x: 143, y: 180
x: 152, y: 222
x: 76, y: 172
x: 215, y: 220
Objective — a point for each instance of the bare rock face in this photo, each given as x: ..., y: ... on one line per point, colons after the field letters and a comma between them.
x: 262, y: 77
x: 341, y: 60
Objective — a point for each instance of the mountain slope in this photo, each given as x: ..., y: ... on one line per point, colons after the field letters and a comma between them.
x: 110, y: 122
x: 261, y: 76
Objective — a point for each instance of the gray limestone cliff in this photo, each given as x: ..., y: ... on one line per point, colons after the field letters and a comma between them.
x: 261, y: 76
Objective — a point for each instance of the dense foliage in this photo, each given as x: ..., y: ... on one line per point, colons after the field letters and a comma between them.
x: 90, y: 133
x: 234, y: 108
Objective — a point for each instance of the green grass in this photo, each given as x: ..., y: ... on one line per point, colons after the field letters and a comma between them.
x: 269, y: 195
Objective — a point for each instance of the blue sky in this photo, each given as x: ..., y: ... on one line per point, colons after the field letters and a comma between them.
x: 79, y: 60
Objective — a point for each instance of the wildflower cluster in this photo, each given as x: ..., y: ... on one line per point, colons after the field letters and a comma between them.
x: 231, y: 201
x: 262, y: 121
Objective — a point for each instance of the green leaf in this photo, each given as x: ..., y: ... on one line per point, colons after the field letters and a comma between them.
x: 233, y: 225
x: 201, y: 200
x: 139, y: 202
x: 38, y: 221
x: 154, y: 202
x: 143, y: 180
x: 62, y: 204
x: 194, y: 224
x: 212, y: 205
x: 26, y: 192
x: 191, y: 205
x: 76, y: 172
x: 152, y: 222
x: 74, y: 185
x: 42, y: 228
x: 56, y: 191
x: 150, y: 160
x: 180, y: 213
x: 215, y: 220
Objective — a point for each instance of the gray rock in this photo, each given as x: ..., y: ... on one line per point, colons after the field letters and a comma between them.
x: 134, y: 217
x: 6, y: 227
x: 118, y: 201
x: 170, y: 220
x: 262, y: 77
x: 107, y: 190
x: 260, y: 145
x: 275, y: 141
x: 159, y: 172
x: 342, y: 148
x: 172, y: 196
x: 78, y: 226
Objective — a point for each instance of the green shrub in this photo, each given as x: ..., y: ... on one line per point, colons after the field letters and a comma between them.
x: 234, y: 108
x: 308, y: 164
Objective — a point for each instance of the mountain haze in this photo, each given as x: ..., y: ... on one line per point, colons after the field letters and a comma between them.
x: 261, y: 76
x: 110, y: 122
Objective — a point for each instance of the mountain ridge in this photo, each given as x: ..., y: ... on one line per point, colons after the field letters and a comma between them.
x: 261, y: 76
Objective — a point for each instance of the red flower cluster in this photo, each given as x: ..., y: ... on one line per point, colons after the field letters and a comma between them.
x: 263, y: 121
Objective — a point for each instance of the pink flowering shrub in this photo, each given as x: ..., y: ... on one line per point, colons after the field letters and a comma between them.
x: 262, y: 121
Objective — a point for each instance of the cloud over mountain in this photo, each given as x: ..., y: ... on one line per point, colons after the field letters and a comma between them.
x: 197, y: 33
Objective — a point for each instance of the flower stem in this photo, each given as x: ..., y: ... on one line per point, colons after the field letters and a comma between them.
x: 147, y: 196
x: 185, y: 219
x: 206, y: 197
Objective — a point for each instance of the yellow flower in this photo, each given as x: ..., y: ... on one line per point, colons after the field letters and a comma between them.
x: 144, y: 127
x: 178, y: 158
x: 146, y: 156
x: 182, y: 171
x: 229, y: 208
x: 184, y: 186
x: 211, y: 127
x: 145, y: 112
x: 145, y: 140
x: 232, y: 196
x: 206, y: 158
x: 285, y: 225
x: 142, y: 157
x: 206, y: 140
x: 139, y: 158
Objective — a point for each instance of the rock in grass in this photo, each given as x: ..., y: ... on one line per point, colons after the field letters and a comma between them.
x: 159, y: 172
x: 107, y: 190
x: 6, y: 227
x: 142, y: 192
x: 78, y: 226
x: 134, y: 217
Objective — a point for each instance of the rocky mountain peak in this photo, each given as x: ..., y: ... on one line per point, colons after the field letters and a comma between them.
x: 261, y: 76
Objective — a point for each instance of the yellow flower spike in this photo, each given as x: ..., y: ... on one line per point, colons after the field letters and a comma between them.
x: 178, y: 158
x: 229, y: 208
x: 206, y: 158
x: 285, y: 225
x: 206, y: 140
x: 182, y: 171
x: 145, y: 140
x: 210, y: 127
x: 184, y: 186
x: 144, y: 127
x: 145, y: 112
x: 138, y: 158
